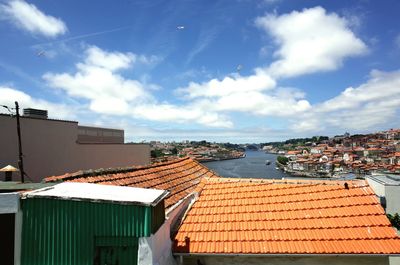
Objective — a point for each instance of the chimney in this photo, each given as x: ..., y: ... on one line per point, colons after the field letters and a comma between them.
x: 8, y: 170
x: 35, y: 113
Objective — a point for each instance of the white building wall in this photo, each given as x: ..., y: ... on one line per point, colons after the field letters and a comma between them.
x: 157, y: 249
x: 378, y: 187
x: 270, y: 260
x: 392, y: 199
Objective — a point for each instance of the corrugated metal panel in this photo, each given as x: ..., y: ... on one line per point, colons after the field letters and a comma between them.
x: 65, y: 232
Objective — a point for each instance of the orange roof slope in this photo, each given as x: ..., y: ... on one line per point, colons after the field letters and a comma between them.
x: 238, y: 216
x: 180, y: 177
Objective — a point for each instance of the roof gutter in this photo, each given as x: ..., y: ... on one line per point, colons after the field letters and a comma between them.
x: 284, y: 255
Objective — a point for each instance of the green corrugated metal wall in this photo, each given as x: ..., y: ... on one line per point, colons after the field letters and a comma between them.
x: 58, y: 232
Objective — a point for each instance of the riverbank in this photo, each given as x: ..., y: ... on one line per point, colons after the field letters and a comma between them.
x: 252, y: 165
x: 213, y: 159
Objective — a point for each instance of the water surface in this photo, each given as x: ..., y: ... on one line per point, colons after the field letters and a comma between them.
x: 251, y: 166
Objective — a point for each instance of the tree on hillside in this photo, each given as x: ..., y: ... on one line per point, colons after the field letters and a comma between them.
x: 282, y: 160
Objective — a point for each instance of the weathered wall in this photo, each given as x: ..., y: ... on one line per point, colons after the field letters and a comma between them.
x: 332, y: 260
x: 379, y: 188
x: 390, y: 192
x: 156, y: 249
x: 392, y: 199
x: 50, y: 148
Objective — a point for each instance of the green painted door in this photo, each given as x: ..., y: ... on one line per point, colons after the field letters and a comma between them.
x: 116, y: 255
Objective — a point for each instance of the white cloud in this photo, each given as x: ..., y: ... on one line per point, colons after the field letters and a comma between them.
x: 109, y: 60
x: 382, y: 86
x: 108, y: 92
x: 182, y: 114
x: 229, y: 85
x: 97, y: 80
x: 28, y: 17
x: 309, y: 41
x: 9, y: 95
x: 261, y: 104
x: 374, y: 103
x: 256, y: 94
x: 206, y: 37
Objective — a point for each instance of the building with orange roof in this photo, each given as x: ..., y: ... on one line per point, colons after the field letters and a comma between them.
x: 180, y: 177
x: 253, y: 221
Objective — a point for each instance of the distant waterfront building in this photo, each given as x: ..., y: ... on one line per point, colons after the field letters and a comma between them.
x: 52, y: 147
x: 210, y: 219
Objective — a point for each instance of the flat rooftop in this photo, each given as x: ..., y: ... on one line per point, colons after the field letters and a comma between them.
x: 12, y: 186
x: 389, y: 180
x: 99, y: 193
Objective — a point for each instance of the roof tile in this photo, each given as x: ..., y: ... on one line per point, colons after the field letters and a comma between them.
x: 181, y: 177
x: 234, y: 216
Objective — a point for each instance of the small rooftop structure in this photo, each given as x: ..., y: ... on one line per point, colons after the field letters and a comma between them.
x: 97, y: 193
x: 35, y: 113
x: 82, y: 223
x: 14, y: 186
x: 8, y: 170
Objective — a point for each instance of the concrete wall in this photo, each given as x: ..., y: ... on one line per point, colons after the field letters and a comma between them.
x: 50, y: 148
x: 87, y: 134
x: 314, y: 260
x: 392, y: 199
x: 389, y: 191
x: 156, y: 250
x: 378, y: 187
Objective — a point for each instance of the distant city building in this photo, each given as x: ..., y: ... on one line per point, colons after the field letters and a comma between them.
x: 52, y: 147
x: 202, y: 219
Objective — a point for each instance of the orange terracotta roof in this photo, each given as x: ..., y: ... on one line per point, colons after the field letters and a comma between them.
x: 293, y: 152
x: 242, y: 216
x: 180, y: 177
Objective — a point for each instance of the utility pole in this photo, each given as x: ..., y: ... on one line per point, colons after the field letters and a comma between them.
x: 20, y: 157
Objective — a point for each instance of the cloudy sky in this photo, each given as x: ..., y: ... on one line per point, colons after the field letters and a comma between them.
x: 239, y: 71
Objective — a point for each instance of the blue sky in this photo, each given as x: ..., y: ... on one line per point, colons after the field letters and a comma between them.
x: 239, y: 71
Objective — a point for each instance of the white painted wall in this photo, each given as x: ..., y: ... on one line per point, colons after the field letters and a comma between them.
x: 378, y: 187
x: 392, y: 199
x: 390, y: 192
x: 270, y: 260
x: 157, y: 249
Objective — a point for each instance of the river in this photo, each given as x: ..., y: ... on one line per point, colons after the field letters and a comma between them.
x: 251, y: 166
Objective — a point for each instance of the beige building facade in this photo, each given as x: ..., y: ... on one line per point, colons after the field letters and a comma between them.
x: 54, y: 147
